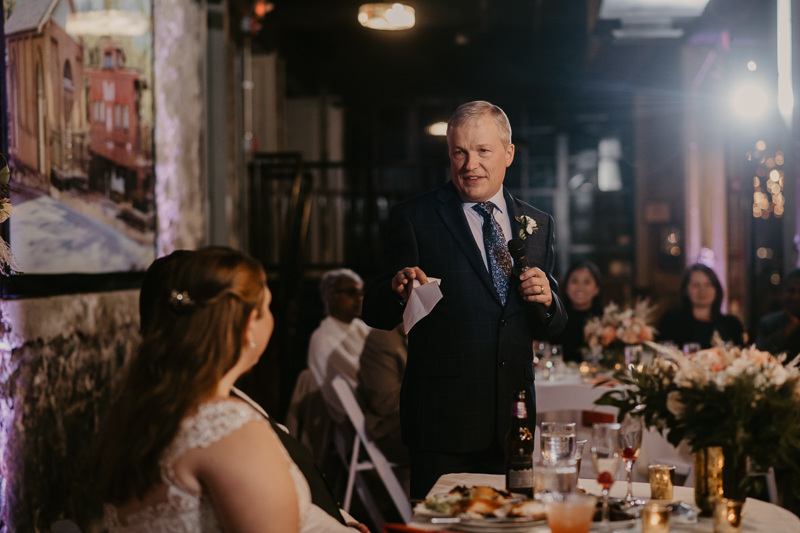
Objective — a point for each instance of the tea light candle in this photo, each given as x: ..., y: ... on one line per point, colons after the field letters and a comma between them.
x: 655, y: 518
x: 661, y: 482
x: 728, y: 516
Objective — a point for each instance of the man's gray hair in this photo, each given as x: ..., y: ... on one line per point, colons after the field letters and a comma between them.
x: 472, y: 110
x: 330, y: 281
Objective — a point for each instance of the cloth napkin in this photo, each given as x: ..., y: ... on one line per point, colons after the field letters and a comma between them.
x: 422, y: 300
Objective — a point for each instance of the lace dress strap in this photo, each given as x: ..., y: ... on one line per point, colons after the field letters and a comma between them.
x: 212, y: 422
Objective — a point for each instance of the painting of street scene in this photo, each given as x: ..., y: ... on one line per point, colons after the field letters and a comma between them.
x: 80, y: 122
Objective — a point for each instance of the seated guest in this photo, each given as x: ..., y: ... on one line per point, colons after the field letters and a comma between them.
x: 582, y: 302
x: 383, y: 363
x: 699, y: 316
x: 156, y: 291
x: 175, y: 451
x: 778, y: 332
x: 336, y: 345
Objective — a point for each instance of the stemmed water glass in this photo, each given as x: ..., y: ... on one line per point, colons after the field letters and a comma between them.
x: 606, y: 454
x: 630, y: 440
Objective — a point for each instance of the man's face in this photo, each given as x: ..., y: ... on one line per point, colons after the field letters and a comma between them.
x: 344, y: 302
x: 791, y: 297
x: 478, y: 159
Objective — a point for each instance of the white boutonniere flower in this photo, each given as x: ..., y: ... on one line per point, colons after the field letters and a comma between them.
x: 527, y: 226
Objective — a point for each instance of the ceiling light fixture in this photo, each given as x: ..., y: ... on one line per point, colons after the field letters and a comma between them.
x: 108, y: 22
x: 386, y: 16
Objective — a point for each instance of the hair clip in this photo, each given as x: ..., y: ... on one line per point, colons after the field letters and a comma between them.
x: 180, y: 299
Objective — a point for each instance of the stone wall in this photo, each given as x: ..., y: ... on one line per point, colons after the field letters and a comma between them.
x: 60, y: 356
x: 58, y: 359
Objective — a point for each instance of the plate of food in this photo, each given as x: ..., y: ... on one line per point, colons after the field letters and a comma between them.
x: 479, y: 509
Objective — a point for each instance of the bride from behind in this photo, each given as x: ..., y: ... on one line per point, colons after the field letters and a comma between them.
x: 176, y: 452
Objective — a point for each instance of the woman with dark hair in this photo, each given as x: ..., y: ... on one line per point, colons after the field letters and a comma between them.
x: 176, y: 452
x: 582, y: 302
x: 699, y: 316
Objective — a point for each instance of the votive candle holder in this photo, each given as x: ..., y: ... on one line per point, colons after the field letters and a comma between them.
x: 655, y: 518
x: 728, y: 516
x: 661, y: 481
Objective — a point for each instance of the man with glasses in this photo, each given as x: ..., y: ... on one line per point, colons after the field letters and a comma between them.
x: 337, y: 343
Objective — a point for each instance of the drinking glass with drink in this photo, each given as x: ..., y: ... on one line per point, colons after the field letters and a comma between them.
x: 558, y: 441
x: 630, y: 440
x: 606, y: 456
x: 569, y: 513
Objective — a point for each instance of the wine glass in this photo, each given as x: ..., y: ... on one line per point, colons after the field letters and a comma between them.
x: 630, y: 440
x: 605, y: 460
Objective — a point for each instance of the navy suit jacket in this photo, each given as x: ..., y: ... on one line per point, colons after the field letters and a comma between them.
x: 471, y: 354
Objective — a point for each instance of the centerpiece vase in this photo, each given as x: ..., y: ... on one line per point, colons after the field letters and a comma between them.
x: 708, y: 485
x: 715, y: 478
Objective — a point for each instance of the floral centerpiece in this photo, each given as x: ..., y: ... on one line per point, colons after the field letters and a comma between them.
x: 618, y: 328
x: 741, y: 399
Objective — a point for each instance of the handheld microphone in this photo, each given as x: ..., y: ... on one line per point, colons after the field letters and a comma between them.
x: 517, y: 251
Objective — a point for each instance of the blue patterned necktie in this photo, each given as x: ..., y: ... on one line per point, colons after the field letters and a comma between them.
x: 496, y: 249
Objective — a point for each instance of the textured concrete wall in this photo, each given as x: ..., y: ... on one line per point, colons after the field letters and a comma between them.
x: 179, y: 27
x: 58, y: 359
x: 60, y: 356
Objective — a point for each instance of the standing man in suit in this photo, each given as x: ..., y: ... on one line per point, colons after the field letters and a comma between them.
x: 473, y: 352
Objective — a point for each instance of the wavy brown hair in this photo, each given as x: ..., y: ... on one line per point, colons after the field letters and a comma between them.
x: 191, y: 344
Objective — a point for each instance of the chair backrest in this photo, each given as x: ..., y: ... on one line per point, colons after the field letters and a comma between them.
x: 307, y: 419
x: 348, y: 398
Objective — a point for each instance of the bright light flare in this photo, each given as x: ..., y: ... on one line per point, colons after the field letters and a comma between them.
x: 751, y: 66
x: 438, y: 129
x: 386, y: 16
x: 750, y: 101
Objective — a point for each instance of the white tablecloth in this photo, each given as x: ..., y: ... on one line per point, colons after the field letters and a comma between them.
x: 759, y: 517
x: 570, y: 395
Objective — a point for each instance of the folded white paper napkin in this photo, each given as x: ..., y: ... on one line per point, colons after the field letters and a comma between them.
x: 422, y: 300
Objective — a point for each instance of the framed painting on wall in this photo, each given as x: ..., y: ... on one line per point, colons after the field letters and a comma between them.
x: 79, y: 117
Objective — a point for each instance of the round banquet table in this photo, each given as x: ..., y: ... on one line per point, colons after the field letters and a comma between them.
x: 759, y: 517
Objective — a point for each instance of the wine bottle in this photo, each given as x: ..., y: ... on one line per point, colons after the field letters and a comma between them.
x: 519, y: 450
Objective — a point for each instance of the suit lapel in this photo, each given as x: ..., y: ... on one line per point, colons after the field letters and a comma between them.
x: 513, y: 302
x: 514, y: 210
x: 452, y: 214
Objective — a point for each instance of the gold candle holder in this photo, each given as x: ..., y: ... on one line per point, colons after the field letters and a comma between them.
x: 728, y: 516
x: 655, y: 518
x: 662, y: 479
x: 708, y: 465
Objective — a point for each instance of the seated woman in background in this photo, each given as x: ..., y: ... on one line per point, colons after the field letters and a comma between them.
x: 582, y: 302
x: 176, y: 452
x: 699, y: 315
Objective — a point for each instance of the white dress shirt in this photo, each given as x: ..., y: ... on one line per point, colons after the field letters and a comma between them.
x: 475, y: 221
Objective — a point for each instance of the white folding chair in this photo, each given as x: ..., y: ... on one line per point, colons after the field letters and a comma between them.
x: 377, y: 462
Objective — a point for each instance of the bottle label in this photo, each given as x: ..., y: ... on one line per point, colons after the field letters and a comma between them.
x: 520, y: 479
x: 522, y: 410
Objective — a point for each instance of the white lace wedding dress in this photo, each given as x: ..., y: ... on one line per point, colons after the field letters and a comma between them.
x: 187, y: 511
